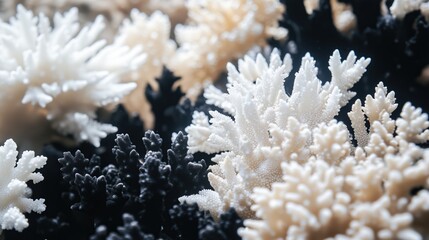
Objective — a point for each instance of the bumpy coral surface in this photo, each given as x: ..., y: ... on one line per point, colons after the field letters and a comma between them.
x: 219, y: 32
x: 152, y: 35
x: 55, y: 77
x: 267, y: 126
x: 14, y: 192
x: 379, y: 192
x: 268, y: 154
x: 285, y: 163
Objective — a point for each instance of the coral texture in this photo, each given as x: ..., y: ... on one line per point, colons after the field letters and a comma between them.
x: 398, y: 48
x: 14, y: 192
x: 267, y: 126
x: 267, y: 154
x: 342, y: 14
x: 219, y: 32
x: 55, y: 78
x: 379, y: 192
x: 152, y: 35
x: 330, y: 188
x: 144, y: 187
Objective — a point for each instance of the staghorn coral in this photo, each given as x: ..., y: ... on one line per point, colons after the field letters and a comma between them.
x: 219, y: 32
x: 55, y: 77
x: 14, y: 192
x: 368, y: 195
x: 266, y: 126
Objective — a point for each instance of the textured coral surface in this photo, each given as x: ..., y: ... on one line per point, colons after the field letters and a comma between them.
x: 202, y: 119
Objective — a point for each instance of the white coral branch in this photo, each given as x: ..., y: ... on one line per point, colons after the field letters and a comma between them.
x: 266, y: 126
x: 14, y: 192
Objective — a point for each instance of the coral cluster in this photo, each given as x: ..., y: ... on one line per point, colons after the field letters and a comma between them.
x: 220, y: 32
x: 173, y: 119
x: 158, y: 48
x: 270, y: 127
x: 295, y: 137
x: 55, y: 78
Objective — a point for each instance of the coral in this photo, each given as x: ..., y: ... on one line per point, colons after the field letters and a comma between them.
x: 14, y: 192
x: 398, y: 47
x: 343, y: 17
x: 327, y: 180
x: 219, y: 32
x: 319, y: 201
x: 164, y: 100
x: 369, y: 194
x: 145, y: 186
x: 131, y: 230
x: 268, y: 126
x: 400, y: 8
x: 55, y: 77
x: 115, y: 11
x: 151, y: 34
x: 238, y: 148
x: 192, y: 223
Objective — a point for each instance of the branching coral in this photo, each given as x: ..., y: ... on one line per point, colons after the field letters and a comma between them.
x: 14, y: 192
x: 283, y: 160
x: 219, y: 32
x: 342, y: 14
x: 330, y: 188
x: 54, y: 78
x: 268, y: 126
x: 398, y: 47
x: 151, y: 33
x: 145, y: 187
x: 368, y: 195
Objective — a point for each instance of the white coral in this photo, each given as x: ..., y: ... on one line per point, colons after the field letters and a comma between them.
x: 152, y: 35
x: 268, y: 126
x: 221, y: 31
x: 51, y: 75
x: 14, y: 192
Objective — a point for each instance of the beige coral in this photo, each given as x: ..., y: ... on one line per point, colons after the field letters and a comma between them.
x: 343, y: 17
x: 152, y: 35
x: 354, y: 198
x: 219, y: 32
x: 319, y: 201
